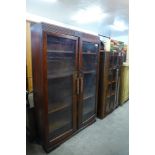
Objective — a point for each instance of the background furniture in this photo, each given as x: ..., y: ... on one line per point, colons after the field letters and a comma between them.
x: 28, y: 58
x: 65, y: 76
x: 124, y: 84
x: 109, y: 81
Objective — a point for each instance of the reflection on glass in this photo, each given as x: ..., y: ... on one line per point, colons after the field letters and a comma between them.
x: 59, y: 44
x: 89, y: 95
x: 60, y: 92
x: 115, y: 59
x: 89, y: 84
x: 89, y: 47
x: 112, y: 102
x: 89, y: 51
x: 60, y: 56
x: 88, y: 107
x: 60, y: 69
x: 60, y: 64
x: 107, y: 104
x: 111, y: 60
x: 114, y: 74
x: 59, y: 122
x: 89, y: 62
x: 89, y: 66
x: 109, y: 90
x: 113, y: 88
x: 110, y: 78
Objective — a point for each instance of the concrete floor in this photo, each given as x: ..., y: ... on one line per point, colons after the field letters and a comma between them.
x: 109, y: 136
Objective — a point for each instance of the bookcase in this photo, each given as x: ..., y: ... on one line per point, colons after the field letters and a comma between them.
x: 65, y: 81
x: 109, y: 82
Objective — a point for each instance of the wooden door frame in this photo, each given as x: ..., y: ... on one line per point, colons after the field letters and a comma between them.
x: 55, y: 140
x: 80, y: 103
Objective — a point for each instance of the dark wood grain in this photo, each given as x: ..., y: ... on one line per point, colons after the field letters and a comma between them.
x: 37, y: 65
x: 82, y: 123
x: 40, y: 81
x: 107, y: 95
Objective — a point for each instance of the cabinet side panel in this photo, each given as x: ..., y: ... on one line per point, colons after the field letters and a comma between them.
x: 36, y: 43
x: 103, y: 83
x: 105, y: 80
x: 100, y: 92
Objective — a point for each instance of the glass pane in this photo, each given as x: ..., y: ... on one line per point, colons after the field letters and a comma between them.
x: 89, y: 47
x: 59, y: 44
x: 120, y: 59
x: 110, y: 78
x: 115, y: 59
x: 60, y: 92
x: 89, y: 62
x: 89, y: 95
x: 89, y: 56
x: 107, y: 104
x: 113, y: 88
x: 112, y: 102
x: 114, y: 74
x: 88, y: 107
x: 89, y: 66
x: 59, y: 122
x: 111, y: 60
x: 108, y: 90
x: 61, y: 65
x: 60, y: 56
x: 89, y: 85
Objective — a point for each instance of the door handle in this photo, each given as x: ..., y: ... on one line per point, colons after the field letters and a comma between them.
x: 81, y: 84
x: 77, y: 86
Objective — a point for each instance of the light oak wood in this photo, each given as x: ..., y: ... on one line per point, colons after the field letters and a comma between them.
x: 29, y: 57
x: 30, y: 84
x: 124, y: 84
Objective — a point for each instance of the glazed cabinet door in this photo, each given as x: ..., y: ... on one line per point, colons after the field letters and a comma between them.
x: 111, y: 91
x: 61, y: 60
x: 88, y: 81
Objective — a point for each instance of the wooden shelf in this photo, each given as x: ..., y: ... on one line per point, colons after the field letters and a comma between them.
x: 88, y: 72
x: 60, y: 51
x: 87, y: 111
x: 59, y: 76
x: 52, y: 110
x: 112, y: 67
x: 89, y: 53
x: 57, y: 59
x: 57, y: 131
x: 58, y: 125
x: 88, y: 96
